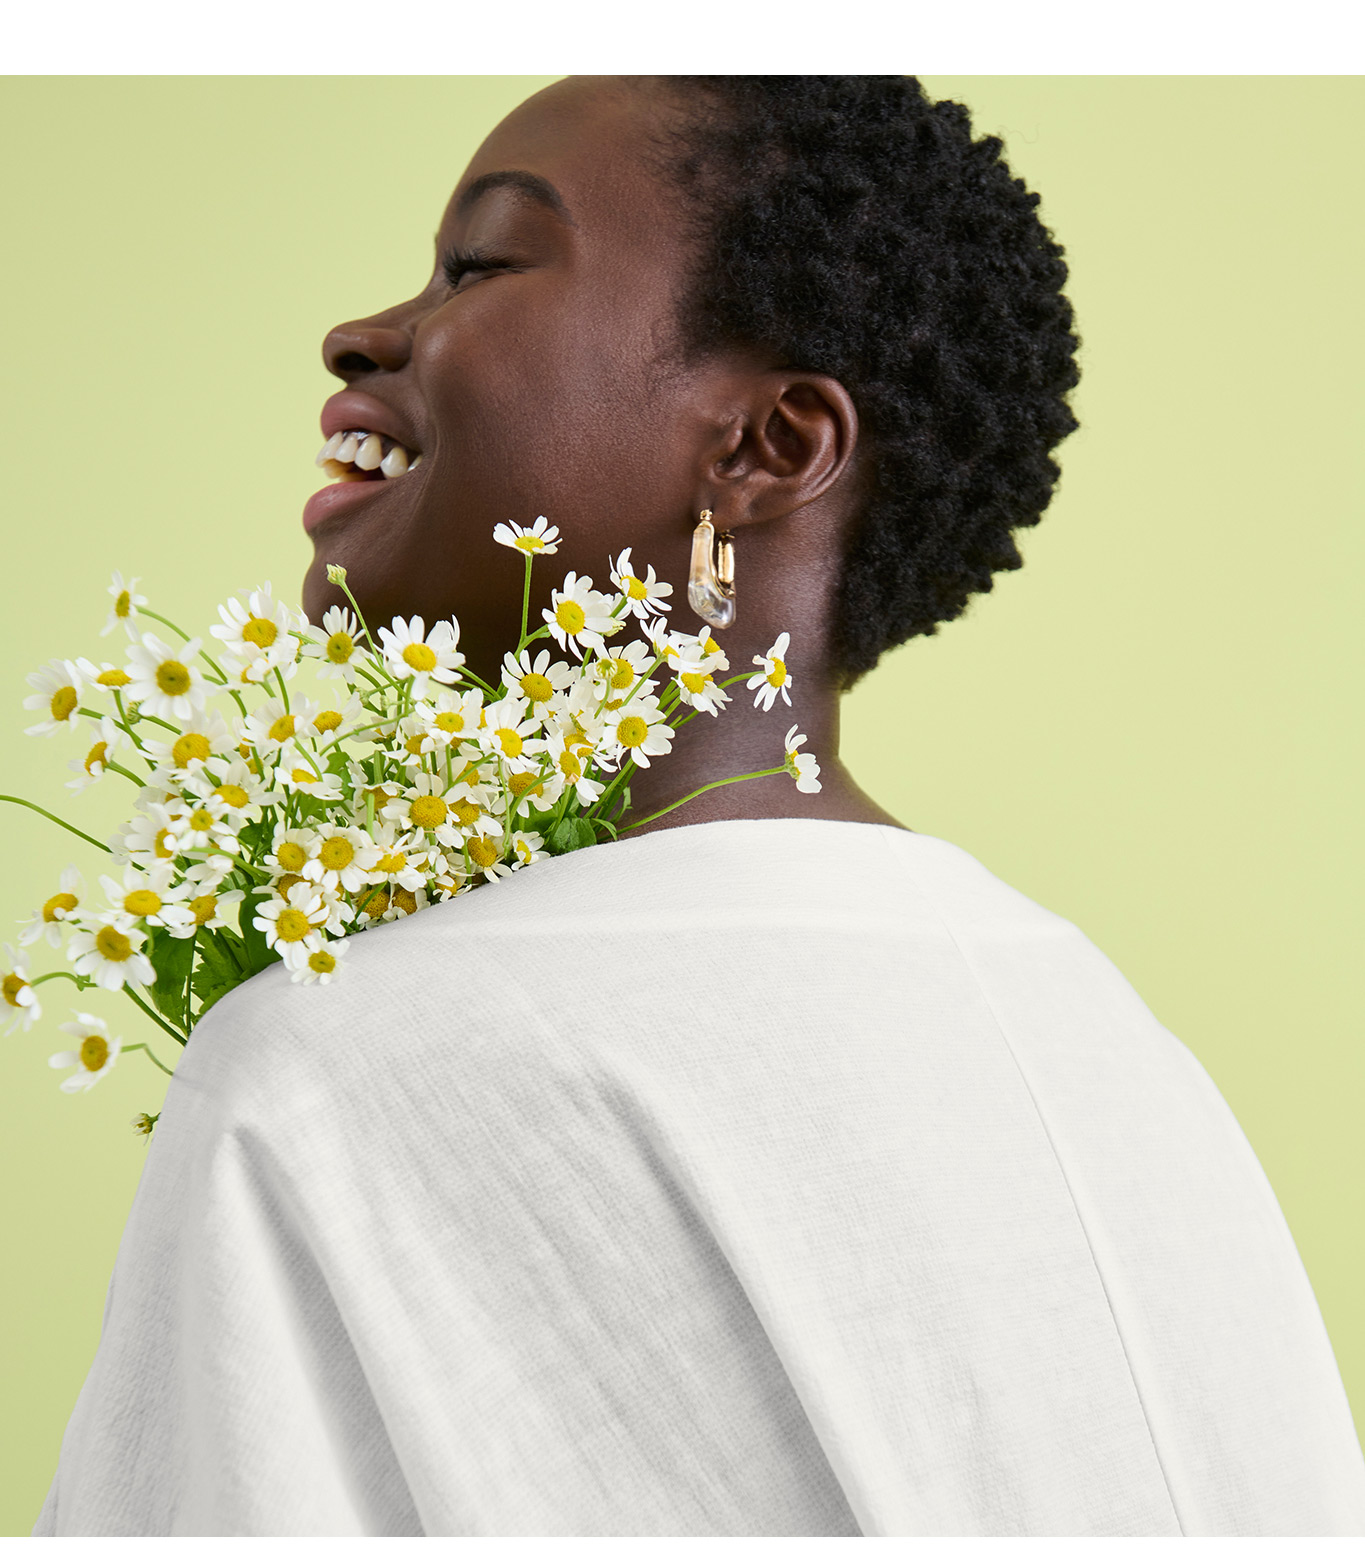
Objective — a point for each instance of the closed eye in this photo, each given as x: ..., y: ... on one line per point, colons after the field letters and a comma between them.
x: 456, y: 264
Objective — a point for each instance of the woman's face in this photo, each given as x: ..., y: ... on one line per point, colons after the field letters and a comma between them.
x: 543, y: 387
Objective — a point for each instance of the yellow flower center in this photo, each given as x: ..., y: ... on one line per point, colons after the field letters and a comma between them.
x: 378, y: 904
x: 570, y: 766
x: 123, y: 604
x: 631, y: 731
x: 570, y: 616
x: 291, y: 856
x: 63, y: 702
x: 483, y: 850
x: 529, y: 543
x: 302, y: 775
x: 378, y: 796
x: 428, y: 811
x: 112, y: 944
x: 622, y: 676
x: 11, y: 987
x: 113, y: 678
x: 636, y: 588
x: 537, y: 687
x: 286, y: 883
x: 710, y: 647
x: 98, y: 756
x: 282, y: 728
x: 173, y: 678
x: 413, y: 744
x: 694, y: 681
x: 260, y: 631
x: 405, y: 901
x: 509, y: 741
x: 63, y: 901
x: 202, y: 820
x: 203, y: 908
x: 470, y: 776
x: 336, y: 853
x: 465, y: 811
x: 450, y: 723
x: 161, y: 845
x: 233, y: 794
x: 142, y: 903
x: 321, y: 962
x: 292, y: 925
x: 190, y: 748
x: 327, y: 721
x: 340, y: 648
x: 94, y: 1052
x: 518, y: 783
x: 576, y: 737
x: 392, y: 863
x: 420, y: 657
x: 778, y: 674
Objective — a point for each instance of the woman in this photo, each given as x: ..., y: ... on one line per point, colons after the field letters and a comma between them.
x: 754, y: 1175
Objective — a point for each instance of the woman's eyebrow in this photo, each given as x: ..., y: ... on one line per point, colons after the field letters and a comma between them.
x: 526, y: 183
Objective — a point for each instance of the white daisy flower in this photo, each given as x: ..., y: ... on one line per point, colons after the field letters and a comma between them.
x: 531, y: 789
x: 56, y: 693
x: 204, y: 826
x: 297, y: 918
x: 230, y: 787
x: 335, y: 643
x: 451, y: 716
x: 124, y: 609
x: 334, y: 865
x: 699, y: 689
x: 389, y: 858
x: 642, y: 595
x: 615, y: 671
x: 412, y: 653
x: 206, y: 735
x: 257, y: 634
x: 485, y: 855
x: 445, y: 814
x: 637, y: 730
x: 208, y: 871
x: 700, y: 647
x: 290, y: 849
x: 579, y: 618
x: 18, y: 1001
x: 774, y: 679
x: 412, y: 742
x: 111, y: 956
x: 110, y: 678
x: 570, y: 758
x: 271, y: 728
x: 95, y: 1056
x: 106, y: 742
x: 203, y: 903
x: 392, y: 902
x: 527, y: 848
x: 370, y: 799
x: 535, y: 681
x: 316, y: 965
x: 301, y: 777
x: 539, y: 537
x: 166, y: 684
x: 509, y: 733
x: 46, y: 922
x: 803, y: 766
x: 148, y: 835
x: 335, y: 724
x: 144, y: 896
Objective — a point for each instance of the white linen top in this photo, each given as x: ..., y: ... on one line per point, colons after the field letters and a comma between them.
x: 774, y: 1177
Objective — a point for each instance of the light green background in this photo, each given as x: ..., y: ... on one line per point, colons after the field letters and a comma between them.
x: 1152, y: 728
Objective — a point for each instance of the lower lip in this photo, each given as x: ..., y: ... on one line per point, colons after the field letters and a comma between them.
x: 336, y: 497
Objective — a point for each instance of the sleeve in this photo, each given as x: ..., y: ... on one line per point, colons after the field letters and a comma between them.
x: 226, y: 1396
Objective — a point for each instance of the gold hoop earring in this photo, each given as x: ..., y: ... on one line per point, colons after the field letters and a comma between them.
x: 711, y: 581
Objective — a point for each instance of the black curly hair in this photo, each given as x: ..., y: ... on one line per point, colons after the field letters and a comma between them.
x: 856, y: 228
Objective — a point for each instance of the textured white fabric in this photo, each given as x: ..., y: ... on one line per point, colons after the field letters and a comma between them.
x: 757, y: 1177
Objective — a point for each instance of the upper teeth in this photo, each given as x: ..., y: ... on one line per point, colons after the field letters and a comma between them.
x: 367, y: 451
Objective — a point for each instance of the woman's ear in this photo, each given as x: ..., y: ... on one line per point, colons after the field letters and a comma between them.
x: 788, y: 445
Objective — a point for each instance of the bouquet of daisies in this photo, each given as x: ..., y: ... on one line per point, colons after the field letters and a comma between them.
x: 310, y: 782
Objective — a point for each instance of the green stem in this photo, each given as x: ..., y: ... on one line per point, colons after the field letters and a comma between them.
x: 143, y: 1046
x: 131, y: 776
x: 525, y: 604
x: 47, y: 976
x: 360, y: 618
x: 766, y: 772
x: 152, y: 1014
x: 284, y: 691
x: 10, y: 799
x: 204, y: 654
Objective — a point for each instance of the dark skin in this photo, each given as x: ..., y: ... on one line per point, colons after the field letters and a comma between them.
x: 549, y: 387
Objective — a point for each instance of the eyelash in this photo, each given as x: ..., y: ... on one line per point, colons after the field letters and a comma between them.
x: 455, y: 264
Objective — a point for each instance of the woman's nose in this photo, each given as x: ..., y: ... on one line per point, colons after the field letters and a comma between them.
x: 360, y: 348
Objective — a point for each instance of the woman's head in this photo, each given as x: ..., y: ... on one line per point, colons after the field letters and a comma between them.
x: 812, y: 304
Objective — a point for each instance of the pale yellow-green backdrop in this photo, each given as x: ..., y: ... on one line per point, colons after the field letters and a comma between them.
x: 1152, y: 728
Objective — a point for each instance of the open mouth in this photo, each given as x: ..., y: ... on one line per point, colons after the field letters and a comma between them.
x: 361, y: 456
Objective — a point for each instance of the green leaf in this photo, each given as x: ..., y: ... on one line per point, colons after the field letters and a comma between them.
x: 225, y: 961
x: 258, y: 953
x: 573, y: 832
x: 171, y: 959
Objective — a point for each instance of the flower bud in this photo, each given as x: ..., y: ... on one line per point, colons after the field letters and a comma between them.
x: 336, y: 575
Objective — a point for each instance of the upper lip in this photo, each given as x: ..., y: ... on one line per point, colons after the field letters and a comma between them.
x: 358, y: 410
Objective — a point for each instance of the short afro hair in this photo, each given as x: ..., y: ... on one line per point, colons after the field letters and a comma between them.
x: 856, y: 228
